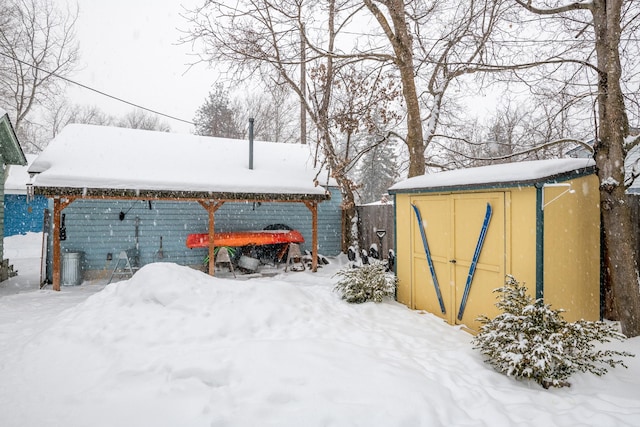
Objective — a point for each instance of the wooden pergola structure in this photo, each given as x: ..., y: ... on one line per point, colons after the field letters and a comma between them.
x: 211, y: 201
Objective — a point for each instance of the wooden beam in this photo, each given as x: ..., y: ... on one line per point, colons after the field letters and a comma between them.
x: 58, y: 206
x: 211, y: 206
x: 212, y: 251
x: 313, y: 207
x: 185, y: 196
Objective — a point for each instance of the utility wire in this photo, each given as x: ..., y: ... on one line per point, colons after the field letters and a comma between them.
x: 96, y: 90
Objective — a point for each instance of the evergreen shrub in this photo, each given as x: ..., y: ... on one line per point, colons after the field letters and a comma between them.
x: 369, y: 282
x: 529, y: 340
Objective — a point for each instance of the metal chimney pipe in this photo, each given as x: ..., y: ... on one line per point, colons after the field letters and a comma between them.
x: 251, y: 143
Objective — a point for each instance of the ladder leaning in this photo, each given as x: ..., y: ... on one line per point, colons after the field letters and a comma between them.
x: 123, y: 266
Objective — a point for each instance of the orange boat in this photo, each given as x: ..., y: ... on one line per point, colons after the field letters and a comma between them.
x: 244, y: 238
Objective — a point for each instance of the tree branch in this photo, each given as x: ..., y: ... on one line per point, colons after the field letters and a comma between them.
x: 519, y: 153
x: 582, y: 5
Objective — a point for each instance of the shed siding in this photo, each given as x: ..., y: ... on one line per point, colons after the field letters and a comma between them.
x: 22, y: 217
x: 521, y: 232
x: 404, y: 263
x: 2, y: 175
x: 572, y: 250
x: 94, y: 228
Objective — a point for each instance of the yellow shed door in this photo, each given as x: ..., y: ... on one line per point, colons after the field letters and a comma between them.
x: 436, y: 220
x: 453, y: 224
x: 469, y: 214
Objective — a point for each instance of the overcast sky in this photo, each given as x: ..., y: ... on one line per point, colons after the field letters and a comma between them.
x: 129, y: 49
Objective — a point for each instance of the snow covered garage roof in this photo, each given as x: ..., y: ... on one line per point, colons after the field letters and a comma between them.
x: 88, y: 160
x: 17, y: 177
x: 502, y: 175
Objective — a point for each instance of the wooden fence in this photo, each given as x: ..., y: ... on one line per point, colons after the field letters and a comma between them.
x: 373, y: 219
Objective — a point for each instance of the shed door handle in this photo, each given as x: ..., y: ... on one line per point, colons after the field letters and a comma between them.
x: 452, y: 261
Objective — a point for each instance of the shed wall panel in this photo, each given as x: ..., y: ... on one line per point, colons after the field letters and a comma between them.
x: 521, y: 241
x: 94, y: 227
x: 404, y: 257
x: 2, y: 216
x: 21, y: 217
x: 572, y: 249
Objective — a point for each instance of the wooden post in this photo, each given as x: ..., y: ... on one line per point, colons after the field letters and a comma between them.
x: 212, y: 253
x: 58, y: 206
x: 313, y: 207
x: 56, y: 244
x: 211, y: 207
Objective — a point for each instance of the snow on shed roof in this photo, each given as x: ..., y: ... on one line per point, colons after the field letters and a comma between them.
x: 18, y: 177
x: 102, y: 157
x: 507, y: 173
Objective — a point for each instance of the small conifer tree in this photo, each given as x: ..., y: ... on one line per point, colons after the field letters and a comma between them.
x: 370, y: 282
x: 531, y: 340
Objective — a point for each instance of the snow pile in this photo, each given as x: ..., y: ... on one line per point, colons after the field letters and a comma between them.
x: 23, y: 252
x: 175, y: 347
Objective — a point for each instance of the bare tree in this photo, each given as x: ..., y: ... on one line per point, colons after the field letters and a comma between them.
x: 257, y: 38
x: 433, y: 45
x: 91, y: 115
x: 546, y: 121
x: 37, y: 43
x: 274, y: 111
x: 396, y: 28
x: 139, y: 119
x: 601, y: 23
x: 60, y: 112
x: 217, y: 117
x: 378, y: 171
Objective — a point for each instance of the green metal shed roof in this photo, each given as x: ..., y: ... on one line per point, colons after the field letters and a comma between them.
x: 10, y: 151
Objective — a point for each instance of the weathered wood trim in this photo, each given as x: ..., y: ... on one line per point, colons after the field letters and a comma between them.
x: 58, y: 205
x: 313, y: 207
x: 101, y: 193
x: 211, y: 207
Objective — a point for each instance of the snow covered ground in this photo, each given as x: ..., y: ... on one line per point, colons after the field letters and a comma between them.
x: 175, y: 347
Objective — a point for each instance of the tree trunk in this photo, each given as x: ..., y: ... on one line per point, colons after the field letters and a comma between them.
x: 402, y: 44
x: 610, y: 154
x: 348, y: 215
x: 403, y: 48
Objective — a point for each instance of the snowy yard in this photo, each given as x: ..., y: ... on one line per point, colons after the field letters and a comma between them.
x: 175, y: 347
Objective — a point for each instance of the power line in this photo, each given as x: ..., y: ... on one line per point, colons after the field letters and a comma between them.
x: 97, y: 90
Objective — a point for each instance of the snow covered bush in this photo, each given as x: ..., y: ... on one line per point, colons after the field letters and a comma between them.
x: 367, y: 283
x: 531, y: 340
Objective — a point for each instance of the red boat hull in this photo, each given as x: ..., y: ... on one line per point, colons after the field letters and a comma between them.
x: 244, y: 238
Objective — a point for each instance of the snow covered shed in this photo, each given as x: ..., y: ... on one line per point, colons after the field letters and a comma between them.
x: 460, y: 232
x: 23, y: 212
x: 116, y: 189
x: 10, y: 154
